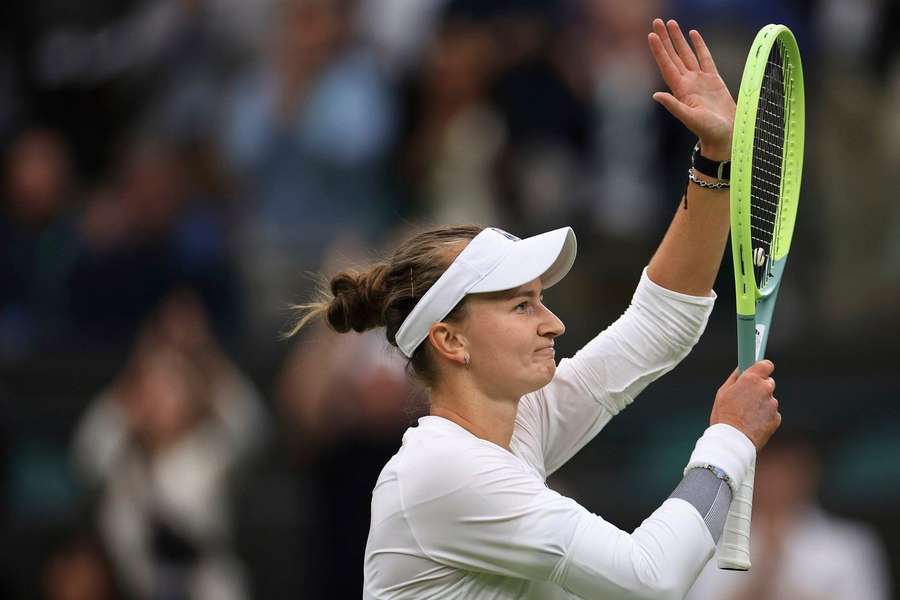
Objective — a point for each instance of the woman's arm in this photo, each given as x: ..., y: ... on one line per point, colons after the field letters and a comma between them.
x: 690, y: 254
x: 656, y: 332
x: 665, y: 320
x: 481, y: 512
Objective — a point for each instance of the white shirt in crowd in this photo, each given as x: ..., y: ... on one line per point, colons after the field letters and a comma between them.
x: 822, y: 557
x: 456, y: 516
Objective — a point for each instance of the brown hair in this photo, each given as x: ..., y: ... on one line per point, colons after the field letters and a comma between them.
x: 385, y: 293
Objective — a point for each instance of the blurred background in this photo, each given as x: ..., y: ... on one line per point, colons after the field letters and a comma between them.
x: 174, y: 170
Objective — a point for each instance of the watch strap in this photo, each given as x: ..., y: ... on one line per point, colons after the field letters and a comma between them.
x: 709, y: 167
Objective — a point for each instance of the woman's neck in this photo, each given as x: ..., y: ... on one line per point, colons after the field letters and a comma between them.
x: 490, y: 419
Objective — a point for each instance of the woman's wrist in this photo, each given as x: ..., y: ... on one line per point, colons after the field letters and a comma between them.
x: 713, y: 151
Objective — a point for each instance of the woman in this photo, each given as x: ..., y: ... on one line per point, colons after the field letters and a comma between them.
x: 462, y: 510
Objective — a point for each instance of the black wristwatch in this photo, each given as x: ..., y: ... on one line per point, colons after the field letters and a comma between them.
x: 710, y: 168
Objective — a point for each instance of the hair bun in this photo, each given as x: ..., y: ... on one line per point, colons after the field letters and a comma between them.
x: 358, y: 300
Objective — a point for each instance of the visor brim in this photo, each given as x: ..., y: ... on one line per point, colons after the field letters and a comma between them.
x: 547, y: 256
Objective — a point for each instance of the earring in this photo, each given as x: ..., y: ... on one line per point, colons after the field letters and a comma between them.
x: 466, y: 360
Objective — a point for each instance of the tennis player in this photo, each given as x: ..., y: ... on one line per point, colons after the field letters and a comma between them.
x: 462, y: 510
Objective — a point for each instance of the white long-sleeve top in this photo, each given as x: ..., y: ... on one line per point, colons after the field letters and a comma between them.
x: 456, y: 516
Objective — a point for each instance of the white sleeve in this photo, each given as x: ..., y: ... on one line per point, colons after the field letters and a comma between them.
x: 101, y: 438
x: 866, y: 573
x: 482, y: 513
x: 654, y: 334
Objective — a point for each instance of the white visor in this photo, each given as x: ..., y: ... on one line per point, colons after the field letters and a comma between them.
x: 493, y: 261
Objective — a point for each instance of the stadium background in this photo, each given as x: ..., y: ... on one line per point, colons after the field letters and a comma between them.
x: 173, y: 169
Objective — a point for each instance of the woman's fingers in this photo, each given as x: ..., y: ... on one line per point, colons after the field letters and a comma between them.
x: 667, y: 68
x: 707, y: 64
x: 732, y: 378
x: 659, y: 28
x: 685, y: 53
x: 680, y: 110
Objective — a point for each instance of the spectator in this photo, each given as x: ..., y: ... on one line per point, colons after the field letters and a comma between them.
x: 342, y: 400
x: 307, y: 130
x: 452, y: 135
x: 151, y: 222
x: 78, y: 568
x: 545, y: 162
x: 159, y: 446
x: 625, y: 200
x: 854, y: 114
x: 37, y: 240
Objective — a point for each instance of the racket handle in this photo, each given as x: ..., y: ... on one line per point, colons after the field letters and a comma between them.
x: 734, y: 548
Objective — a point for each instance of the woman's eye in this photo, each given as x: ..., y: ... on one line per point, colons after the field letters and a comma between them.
x: 522, y: 306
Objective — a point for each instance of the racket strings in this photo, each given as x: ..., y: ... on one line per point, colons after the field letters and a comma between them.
x: 766, y: 171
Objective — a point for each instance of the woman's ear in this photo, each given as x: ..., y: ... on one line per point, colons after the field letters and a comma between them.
x: 448, y: 342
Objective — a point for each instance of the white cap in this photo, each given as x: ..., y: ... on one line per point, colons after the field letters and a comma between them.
x: 493, y: 261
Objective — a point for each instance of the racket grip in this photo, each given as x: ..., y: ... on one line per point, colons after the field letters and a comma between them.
x: 734, y: 547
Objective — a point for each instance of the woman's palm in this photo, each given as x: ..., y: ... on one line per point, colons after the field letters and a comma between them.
x: 699, y: 97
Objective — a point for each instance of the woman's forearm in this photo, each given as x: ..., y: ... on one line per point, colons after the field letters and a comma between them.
x: 689, y: 257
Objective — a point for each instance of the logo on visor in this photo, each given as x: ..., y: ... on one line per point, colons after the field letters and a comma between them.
x: 508, y: 236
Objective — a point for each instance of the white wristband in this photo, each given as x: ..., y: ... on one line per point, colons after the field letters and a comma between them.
x: 727, y: 448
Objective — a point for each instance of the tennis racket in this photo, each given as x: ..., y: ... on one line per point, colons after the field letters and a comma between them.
x: 766, y: 163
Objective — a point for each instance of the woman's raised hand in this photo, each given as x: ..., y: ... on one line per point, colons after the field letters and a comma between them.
x: 699, y: 98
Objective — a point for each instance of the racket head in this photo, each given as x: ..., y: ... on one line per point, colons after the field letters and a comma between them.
x: 767, y: 163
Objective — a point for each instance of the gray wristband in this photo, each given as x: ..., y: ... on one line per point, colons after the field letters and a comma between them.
x: 708, y: 492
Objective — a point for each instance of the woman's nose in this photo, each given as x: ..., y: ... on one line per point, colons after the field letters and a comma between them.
x: 552, y: 325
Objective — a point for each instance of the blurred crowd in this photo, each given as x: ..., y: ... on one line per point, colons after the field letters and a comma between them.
x: 174, y: 173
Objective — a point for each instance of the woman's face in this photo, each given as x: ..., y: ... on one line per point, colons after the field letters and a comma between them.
x: 510, y: 338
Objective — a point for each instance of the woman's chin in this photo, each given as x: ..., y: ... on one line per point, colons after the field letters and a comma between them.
x: 546, y: 376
